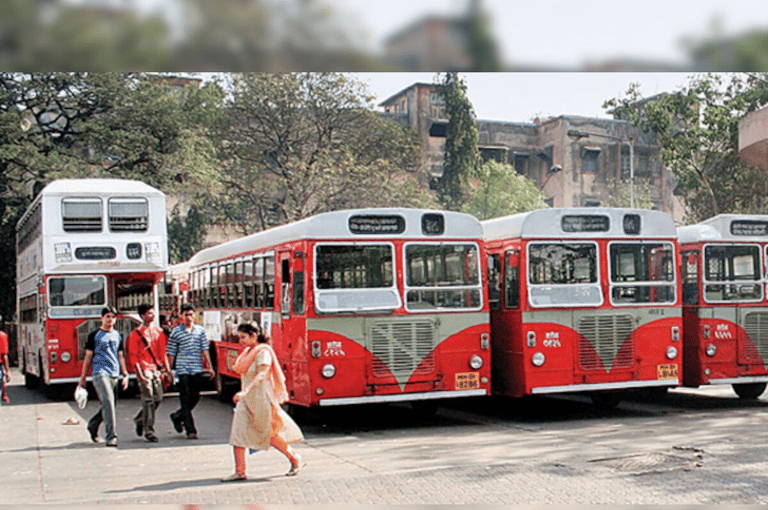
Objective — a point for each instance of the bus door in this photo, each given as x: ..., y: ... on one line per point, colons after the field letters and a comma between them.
x: 294, y: 359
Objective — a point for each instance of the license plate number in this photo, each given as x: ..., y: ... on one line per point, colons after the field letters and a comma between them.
x: 467, y: 381
x: 666, y: 371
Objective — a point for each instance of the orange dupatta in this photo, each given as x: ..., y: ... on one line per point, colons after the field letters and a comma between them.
x: 275, y: 374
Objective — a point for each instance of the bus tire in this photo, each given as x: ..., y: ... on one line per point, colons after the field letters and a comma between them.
x: 297, y: 412
x: 424, y: 408
x: 749, y: 391
x: 30, y: 381
x: 605, y: 401
x: 225, y: 388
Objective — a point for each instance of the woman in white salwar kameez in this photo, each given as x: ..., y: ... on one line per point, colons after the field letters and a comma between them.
x: 259, y: 422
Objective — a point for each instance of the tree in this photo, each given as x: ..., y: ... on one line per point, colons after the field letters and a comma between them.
x: 58, y: 125
x: 186, y: 236
x: 481, y: 45
x: 697, y: 128
x: 304, y: 143
x: 461, y: 158
x: 499, y: 191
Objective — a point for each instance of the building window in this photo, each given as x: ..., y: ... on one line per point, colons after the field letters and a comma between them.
x: 520, y: 161
x: 589, y: 159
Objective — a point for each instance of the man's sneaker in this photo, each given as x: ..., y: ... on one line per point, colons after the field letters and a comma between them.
x: 191, y: 435
x: 177, y: 424
x: 139, y: 428
x: 112, y: 442
x: 151, y: 438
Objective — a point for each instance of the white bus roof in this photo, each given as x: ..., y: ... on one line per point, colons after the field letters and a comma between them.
x: 726, y: 227
x: 549, y: 223
x: 98, y: 186
x: 335, y: 225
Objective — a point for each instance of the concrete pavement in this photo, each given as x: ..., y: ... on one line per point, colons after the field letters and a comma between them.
x: 483, y: 456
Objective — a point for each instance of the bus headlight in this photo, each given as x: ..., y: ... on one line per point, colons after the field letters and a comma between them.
x: 671, y: 353
x: 329, y: 371
x: 476, y: 362
x: 66, y: 356
x: 711, y: 350
x: 538, y: 359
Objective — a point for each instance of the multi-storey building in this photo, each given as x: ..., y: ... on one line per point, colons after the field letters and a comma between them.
x: 575, y: 161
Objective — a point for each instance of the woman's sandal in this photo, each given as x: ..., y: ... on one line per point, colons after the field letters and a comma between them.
x: 296, y: 466
x: 235, y: 477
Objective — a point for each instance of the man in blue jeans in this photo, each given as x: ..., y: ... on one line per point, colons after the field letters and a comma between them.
x: 188, y: 348
x: 104, y: 350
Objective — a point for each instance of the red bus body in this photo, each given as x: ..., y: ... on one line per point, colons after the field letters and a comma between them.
x: 84, y: 244
x: 583, y: 300
x: 725, y: 311
x: 362, y: 306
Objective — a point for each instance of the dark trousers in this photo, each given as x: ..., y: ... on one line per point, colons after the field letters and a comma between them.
x: 189, y: 396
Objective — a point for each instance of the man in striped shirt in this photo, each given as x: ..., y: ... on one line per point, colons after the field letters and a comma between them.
x: 188, y: 348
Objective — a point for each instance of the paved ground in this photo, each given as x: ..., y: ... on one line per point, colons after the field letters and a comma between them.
x: 696, y: 447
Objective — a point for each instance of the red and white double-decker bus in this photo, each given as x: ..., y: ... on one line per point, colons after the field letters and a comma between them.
x: 584, y: 300
x: 725, y: 329
x: 363, y: 306
x: 81, y: 245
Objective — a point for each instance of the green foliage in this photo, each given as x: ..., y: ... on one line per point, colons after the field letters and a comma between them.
x: 481, y: 45
x: 186, y: 236
x: 303, y: 143
x: 499, y: 191
x: 697, y: 128
x: 59, y: 125
x: 461, y: 158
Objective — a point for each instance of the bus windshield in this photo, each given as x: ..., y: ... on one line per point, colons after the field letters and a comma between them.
x: 76, y: 295
x: 732, y: 273
x: 642, y: 273
x: 355, y: 277
x: 444, y: 276
x: 562, y: 274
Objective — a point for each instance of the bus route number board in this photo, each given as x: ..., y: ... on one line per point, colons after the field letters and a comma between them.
x: 467, y: 381
x: 666, y: 371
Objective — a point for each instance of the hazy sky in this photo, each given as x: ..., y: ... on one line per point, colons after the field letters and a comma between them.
x: 569, y: 33
x: 519, y: 97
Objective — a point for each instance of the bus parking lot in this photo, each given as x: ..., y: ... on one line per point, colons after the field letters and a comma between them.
x: 696, y: 446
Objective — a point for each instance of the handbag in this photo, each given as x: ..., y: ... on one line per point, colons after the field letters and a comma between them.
x: 165, y: 377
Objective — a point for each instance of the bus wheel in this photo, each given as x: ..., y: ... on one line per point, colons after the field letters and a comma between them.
x: 225, y: 390
x: 749, y: 391
x: 655, y: 394
x: 424, y: 408
x: 30, y: 381
x: 297, y: 412
x: 605, y: 401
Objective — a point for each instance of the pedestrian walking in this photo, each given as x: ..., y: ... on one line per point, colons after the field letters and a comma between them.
x: 104, y: 351
x: 146, y: 356
x: 5, y: 371
x: 188, y: 352
x: 259, y: 422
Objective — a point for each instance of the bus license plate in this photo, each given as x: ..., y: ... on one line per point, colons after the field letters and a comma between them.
x: 666, y: 371
x: 467, y: 381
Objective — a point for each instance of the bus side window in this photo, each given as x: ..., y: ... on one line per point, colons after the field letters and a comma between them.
x: 298, y: 283
x: 494, y: 281
x: 512, y: 279
x: 690, y: 277
x: 269, y: 283
x: 285, y: 278
x: 248, y: 283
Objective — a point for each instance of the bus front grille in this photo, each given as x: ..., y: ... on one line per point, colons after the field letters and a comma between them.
x: 400, y: 347
x: 756, y: 327
x: 602, y: 340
